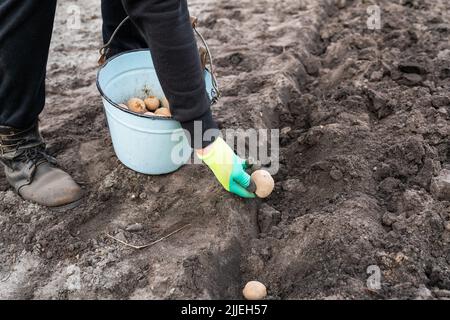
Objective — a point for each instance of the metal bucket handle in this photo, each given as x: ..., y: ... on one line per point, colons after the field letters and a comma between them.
x: 105, y: 49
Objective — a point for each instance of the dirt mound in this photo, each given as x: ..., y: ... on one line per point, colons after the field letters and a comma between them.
x: 363, y: 178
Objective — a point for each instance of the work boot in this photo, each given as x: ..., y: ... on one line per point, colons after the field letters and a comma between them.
x: 32, y: 172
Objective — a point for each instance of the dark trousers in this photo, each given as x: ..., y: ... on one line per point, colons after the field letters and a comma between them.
x: 161, y: 25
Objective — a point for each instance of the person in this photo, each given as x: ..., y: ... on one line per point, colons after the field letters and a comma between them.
x: 163, y: 26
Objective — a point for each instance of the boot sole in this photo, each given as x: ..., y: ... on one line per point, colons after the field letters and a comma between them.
x: 67, y: 207
x: 59, y: 209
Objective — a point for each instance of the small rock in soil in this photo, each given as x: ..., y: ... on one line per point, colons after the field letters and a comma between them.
x: 27, y: 239
x: 411, y: 79
x: 389, y: 219
x: 440, y: 101
x: 336, y: 174
x: 285, y: 130
x: 143, y: 196
x: 442, y: 293
x: 378, y: 100
x: 443, y: 111
x: 136, y: 227
x: 440, y: 185
x: 376, y: 76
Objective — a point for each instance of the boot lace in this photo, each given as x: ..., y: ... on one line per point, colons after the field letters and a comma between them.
x: 35, y: 155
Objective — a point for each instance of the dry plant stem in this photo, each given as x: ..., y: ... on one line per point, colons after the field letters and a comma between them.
x: 150, y: 244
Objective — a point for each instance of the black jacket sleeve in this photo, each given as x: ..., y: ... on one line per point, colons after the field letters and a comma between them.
x: 166, y: 26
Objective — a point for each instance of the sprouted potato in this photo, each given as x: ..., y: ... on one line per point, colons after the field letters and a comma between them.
x: 137, y: 105
x: 152, y: 103
x: 163, y: 112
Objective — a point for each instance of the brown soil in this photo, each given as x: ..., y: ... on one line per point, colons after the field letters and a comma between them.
x: 365, y: 145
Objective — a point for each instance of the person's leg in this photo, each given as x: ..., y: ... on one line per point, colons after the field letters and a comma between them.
x: 128, y: 37
x: 25, y: 33
x: 167, y: 29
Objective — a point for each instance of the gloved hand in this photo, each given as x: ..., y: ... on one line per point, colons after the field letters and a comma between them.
x: 227, y: 167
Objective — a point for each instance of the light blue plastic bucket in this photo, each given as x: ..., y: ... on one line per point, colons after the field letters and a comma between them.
x: 146, y: 144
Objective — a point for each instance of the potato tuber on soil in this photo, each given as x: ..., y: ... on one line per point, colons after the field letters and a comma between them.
x: 136, y: 105
x: 264, y: 183
x: 254, y: 290
x: 152, y: 103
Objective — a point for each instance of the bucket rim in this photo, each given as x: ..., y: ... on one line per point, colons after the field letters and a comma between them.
x: 116, y: 105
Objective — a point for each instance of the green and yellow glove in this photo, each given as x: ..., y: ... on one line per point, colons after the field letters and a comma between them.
x: 228, y: 168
